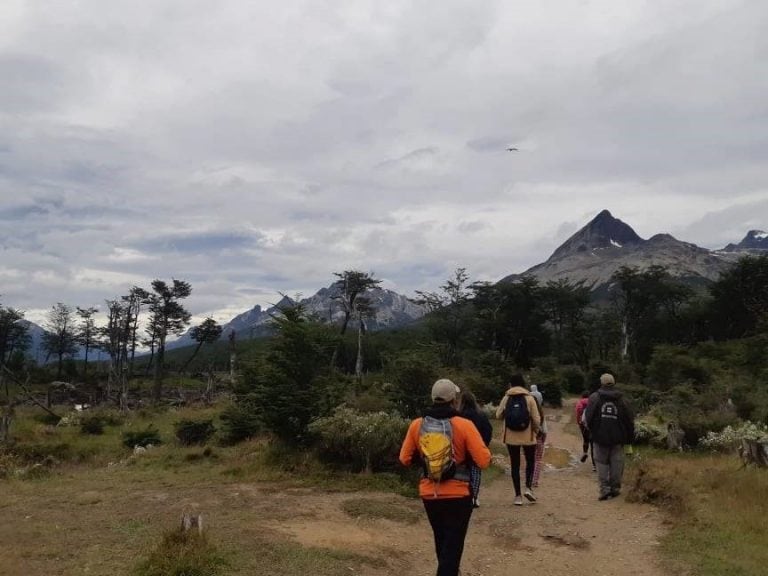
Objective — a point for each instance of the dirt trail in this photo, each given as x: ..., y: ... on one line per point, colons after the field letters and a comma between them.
x: 567, y: 532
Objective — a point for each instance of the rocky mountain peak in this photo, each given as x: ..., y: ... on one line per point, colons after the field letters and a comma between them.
x: 603, y: 231
x: 754, y: 240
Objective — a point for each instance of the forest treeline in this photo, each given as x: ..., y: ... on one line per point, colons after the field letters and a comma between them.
x: 693, y: 354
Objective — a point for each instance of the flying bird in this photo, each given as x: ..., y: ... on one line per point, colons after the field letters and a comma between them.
x: 512, y: 149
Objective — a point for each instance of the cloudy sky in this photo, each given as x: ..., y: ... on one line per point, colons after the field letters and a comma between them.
x: 256, y: 147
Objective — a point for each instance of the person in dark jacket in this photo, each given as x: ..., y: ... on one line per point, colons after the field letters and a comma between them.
x: 611, y: 425
x: 472, y: 412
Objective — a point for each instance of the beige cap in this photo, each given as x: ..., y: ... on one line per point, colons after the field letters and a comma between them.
x: 444, y: 391
x: 607, y: 380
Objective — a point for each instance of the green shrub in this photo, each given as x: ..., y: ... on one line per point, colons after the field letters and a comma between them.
x: 696, y: 425
x: 370, y: 401
x: 47, y: 418
x: 182, y: 554
x: 412, y: 377
x: 190, y: 432
x: 671, y: 366
x: 148, y: 435
x: 649, y: 435
x: 366, y: 441
x: 551, y: 392
x: 574, y: 381
x: 92, y: 425
x: 240, y: 422
x: 640, y: 398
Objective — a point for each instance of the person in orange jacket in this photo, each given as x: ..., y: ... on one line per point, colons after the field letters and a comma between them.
x: 447, y: 499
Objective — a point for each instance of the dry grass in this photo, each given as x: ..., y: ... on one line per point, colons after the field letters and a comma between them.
x: 718, y: 512
x: 374, y: 509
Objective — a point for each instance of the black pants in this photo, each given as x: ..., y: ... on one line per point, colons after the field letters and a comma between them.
x: 587, y: 443
x: 530, y: 462
x: 449, y: 518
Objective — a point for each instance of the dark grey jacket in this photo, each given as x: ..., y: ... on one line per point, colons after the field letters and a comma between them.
x: 609, y: 419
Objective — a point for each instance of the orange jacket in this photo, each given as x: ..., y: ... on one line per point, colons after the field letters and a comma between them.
x: 466, y: 439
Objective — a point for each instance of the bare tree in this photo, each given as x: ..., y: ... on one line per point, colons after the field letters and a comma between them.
x: 13, y: 337
x: 60, y: 338
x: 352, y: 287
x: 86, y: 333
x: 113, y: 343
x: 135, y: 300
x: 207, y: 332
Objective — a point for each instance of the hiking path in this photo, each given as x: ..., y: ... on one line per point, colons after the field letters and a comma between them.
x: 566, y: 532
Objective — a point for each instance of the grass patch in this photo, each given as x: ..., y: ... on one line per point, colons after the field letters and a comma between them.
x: 718, y: 512
x: 182, y: 554
x: 283, y: 558
x: 260, y: 461
x: 375, y: 509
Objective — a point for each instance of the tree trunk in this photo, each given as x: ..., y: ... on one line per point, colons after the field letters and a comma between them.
x: 188, y: 362
x: 5, y: 424
x: 624, y: 340
x: 232, y: 358
x: 157, y: 391
x: 124, y: 390
x: 209, y: 385
x: 359, y: 361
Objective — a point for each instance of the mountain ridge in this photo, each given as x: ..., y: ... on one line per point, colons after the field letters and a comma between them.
x: 600, y: 248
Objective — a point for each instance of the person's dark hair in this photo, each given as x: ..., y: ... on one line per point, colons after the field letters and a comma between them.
x: 517, y: 380
x: 468, y: 401
x: 585, y: 394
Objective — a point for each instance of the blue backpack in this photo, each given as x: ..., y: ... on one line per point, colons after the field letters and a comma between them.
x: 516, y: 414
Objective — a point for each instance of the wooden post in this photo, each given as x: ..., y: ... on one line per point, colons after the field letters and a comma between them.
x: 753, y: 452
x: 675, y: 436
x: 189, y: 522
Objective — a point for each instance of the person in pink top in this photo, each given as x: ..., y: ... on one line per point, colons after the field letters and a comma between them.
x: 587, y: 447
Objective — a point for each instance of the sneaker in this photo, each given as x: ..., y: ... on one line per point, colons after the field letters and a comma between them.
x: 518, y: 500
x: 615, y: 493
x: 476, y: 503
x: 583, y: 458
x: 604, y: 497
x: 594, y: 468
x: 530, y: 496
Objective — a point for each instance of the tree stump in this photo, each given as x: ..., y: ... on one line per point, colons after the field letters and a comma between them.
x: 675, y: 437
x: 754, y: 453
x: 191, y: 522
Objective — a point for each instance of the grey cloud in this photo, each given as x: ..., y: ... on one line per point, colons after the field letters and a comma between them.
x: 141, y: 144
x: 489, y: 144
x: 21, y: 212
x: 721, y: 227
x: 30, y: 83
x: 206, y: 242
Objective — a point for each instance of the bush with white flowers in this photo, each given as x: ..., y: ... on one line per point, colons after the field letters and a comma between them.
x: 730, y: 437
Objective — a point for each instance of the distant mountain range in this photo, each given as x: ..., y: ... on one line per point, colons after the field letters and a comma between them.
x: 605, y: 244
x: 390, y: 310
x: 592, y: 255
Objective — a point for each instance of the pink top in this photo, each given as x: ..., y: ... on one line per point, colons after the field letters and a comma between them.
x: 581, y: 405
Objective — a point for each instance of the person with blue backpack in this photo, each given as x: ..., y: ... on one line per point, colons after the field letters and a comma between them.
x: 522, y: 421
